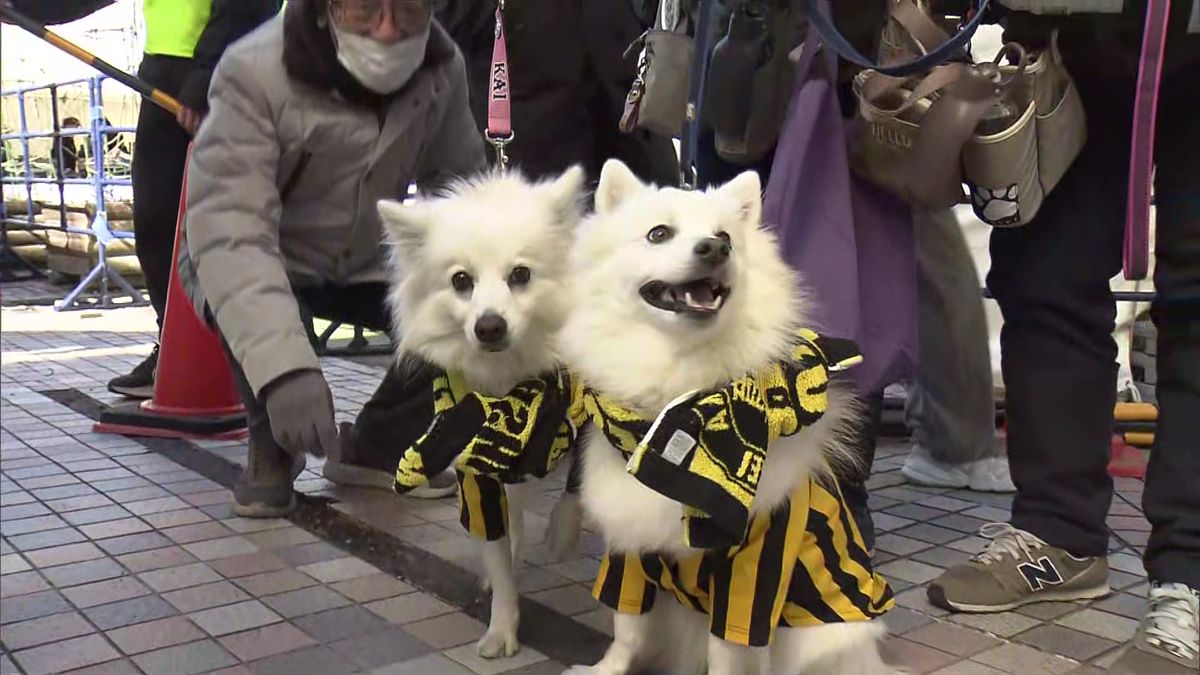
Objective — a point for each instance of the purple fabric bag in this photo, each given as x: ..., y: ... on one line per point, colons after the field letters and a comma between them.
x: 851, y: 242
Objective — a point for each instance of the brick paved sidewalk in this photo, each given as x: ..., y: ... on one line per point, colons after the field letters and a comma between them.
x: 121, y: 556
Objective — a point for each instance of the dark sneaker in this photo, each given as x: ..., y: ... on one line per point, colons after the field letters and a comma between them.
x: 1016, y: 569
x: 139, y: 383
x: 1168, y: 639
x: 352, y: 466
x: 264, y: 490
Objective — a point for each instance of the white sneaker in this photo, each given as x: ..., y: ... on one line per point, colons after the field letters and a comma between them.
x: 984, y: 475
x: 1168, y: 638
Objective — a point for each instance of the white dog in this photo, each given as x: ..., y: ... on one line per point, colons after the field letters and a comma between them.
x: 478, y: 291
x: 673, y: 292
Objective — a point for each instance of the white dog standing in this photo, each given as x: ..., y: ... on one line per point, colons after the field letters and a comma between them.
x: 478, y: 292
x: 674, y: 292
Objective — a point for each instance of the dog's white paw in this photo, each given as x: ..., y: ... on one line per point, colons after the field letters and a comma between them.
x: 498, y: 643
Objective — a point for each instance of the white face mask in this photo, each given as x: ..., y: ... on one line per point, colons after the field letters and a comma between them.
x: 381, y: 68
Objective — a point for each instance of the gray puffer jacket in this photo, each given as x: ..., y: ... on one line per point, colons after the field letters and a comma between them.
x: 283, y: 181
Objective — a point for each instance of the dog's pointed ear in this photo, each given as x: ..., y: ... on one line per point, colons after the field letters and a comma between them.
x: 746, y: 191
x: 566, y: 192
x: 617, y: 183
x: 404, y: 225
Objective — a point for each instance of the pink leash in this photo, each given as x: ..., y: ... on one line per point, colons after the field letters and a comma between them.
x: 499, y: 123
x: 1136, y: 255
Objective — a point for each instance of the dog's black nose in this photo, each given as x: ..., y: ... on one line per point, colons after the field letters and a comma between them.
x: 712, y: 250
x: 491, y: 328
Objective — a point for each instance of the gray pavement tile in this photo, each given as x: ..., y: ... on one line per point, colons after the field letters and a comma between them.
x: 1100, y: 624
x: 408, y: 608
x: 114, y: 528
x: 186, y: 659
x: 90, y: 500
x: 568, y: 600
x: 340, y: 569
x: 901, y: 620
x: 260, y: 643
x: 426, y: 665
x: 305, y: 601
x: 910, y: 570
x: 40, y: 523
x: 33, y: 606
x: 62, y: 555
x: 144, y: 561
x: 448, y: 630
x: 952, y: 639
x: 248, y: 525
x: 168, y: 519
x: 374, y: 650
x: 8, y: 513
x: 129, y: 612
x: 234, y: 618
x: 138, y: 494
x: 898, y: 651
x: 47, y: 539
x: 83, y: 572
x: 22, y: 583
x: 202, y: 597
x: 1123, y: 604
x: 134, y: 543
x: 336, y: 624
x: 898, y: 545
x: 66, y: 655
x: 96, y: 515
x: 175, y: 578
x: 1047, y: 611
x: 201, y: 531
x: 311, y: 660
x: 153, y: 635
x: 13, y: 564
x: 160, y: 505
x: 248, y: 564
x: 930, y: 533
x: 372, y: 587
x: 117, y: 667
x: 1065, y: 642
x: 282, y: 538
x: 105, y: 592
x: 1014, y: 658
x: 215, y: 549
x: 307, y: 554
x: 53, y: 628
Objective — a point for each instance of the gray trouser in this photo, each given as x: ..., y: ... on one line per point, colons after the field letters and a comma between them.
x: 950, y: 407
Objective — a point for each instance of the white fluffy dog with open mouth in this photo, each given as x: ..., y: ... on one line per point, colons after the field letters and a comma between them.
x: 479, y: 295
x: 674, y: 292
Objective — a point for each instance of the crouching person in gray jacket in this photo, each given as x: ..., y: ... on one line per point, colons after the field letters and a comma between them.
x: 313, y: 118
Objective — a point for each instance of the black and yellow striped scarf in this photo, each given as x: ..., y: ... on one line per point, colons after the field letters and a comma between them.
x: 524, y: 433
x: 707, y: 450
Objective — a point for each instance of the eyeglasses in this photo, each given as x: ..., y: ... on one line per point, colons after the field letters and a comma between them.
x: 360, y: 16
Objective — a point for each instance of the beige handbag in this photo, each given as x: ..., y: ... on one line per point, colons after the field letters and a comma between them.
x: 1007, y: 131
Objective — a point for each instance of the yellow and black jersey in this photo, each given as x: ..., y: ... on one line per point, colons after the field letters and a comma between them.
x: 803, y: 565
x: 482, y: 506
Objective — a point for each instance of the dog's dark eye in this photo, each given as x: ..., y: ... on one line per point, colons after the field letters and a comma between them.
x: 519, y: 276
x: 659, y: 233
x: 462, y: 282
x: 723, y: 236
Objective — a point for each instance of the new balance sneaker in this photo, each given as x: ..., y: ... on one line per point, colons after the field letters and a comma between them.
x: 984, y: 475
x: 1168, y: 638
x: 139, y: 382
x: 1016, y: 569
x: 352, y: 466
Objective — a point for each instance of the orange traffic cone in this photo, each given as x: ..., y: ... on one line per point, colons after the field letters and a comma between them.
x: 194, y: 393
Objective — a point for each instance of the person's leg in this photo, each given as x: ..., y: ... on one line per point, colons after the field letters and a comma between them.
x: 1168, y: 639
x: 950, y: 405
x: 853, y: 481
x: 1051, y: 279
x: 158, y: 165
x: 395, y: 415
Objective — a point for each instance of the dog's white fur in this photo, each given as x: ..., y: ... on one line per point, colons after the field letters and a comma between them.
x: 646, y: 357
x: 486, y: 227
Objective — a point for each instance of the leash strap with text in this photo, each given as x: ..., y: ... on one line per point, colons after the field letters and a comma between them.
x: 499, y: 131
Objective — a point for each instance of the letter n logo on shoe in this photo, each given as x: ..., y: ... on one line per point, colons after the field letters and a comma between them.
x: 1039, y: 574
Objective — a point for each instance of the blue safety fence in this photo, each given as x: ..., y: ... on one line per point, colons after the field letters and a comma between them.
x: 103, y: 286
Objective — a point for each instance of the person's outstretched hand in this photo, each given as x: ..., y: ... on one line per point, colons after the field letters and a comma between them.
x: 300, y: 408
x: 189, y: 119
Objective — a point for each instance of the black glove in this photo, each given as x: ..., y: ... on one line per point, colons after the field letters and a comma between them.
x: 300, y: 409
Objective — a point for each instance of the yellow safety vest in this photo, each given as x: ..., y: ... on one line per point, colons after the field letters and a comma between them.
x: 173, y: 27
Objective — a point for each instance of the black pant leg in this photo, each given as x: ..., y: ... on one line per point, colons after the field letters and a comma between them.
x: 158, y: 164
x: 1051, y: 280
x: 1172, y: 498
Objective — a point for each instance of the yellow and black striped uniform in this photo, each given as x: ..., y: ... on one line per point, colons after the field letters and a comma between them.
x: 803, y: 565
x: 482, y: 503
